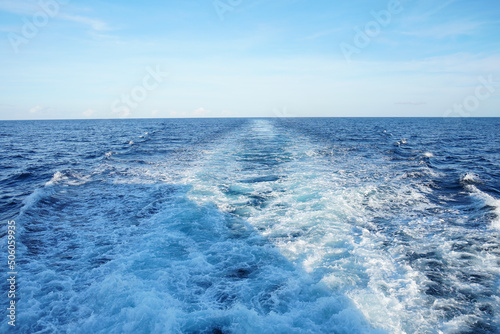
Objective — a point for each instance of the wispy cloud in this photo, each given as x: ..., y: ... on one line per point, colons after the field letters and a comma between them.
x: 27, y: 8
x: 18, y: 7
x: 95, y: 24
x: 266, y: 54
x: 445, y: 30
x: 425, y: 10
x: 438, y: 8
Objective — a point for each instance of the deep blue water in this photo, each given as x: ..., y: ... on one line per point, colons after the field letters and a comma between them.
x: 338, y: 225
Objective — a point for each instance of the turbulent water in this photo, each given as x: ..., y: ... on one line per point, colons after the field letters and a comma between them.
x: 253, y: 225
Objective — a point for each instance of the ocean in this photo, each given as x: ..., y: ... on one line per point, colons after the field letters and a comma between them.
x: 271, y: 225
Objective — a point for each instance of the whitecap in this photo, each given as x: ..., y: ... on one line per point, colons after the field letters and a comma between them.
x: 489, y: 201
x: 469, y: 178
x: 58, y: 176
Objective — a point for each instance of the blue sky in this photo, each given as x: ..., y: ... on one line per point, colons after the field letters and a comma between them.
x: 244, y: 58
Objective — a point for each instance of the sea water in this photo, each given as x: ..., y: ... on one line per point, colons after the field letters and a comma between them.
x: 286, y: 225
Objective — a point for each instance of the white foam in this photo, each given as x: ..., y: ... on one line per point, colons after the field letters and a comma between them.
x: 57, y: 177
x: 470, y: 178
x: 487, y: 200
x: 32, y: 199
x: 331, y: 245
x: 315, y: 231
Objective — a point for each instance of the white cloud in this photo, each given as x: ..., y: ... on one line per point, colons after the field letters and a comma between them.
x: 36, y: 109
x: 201, y: 112
x: 154, y: 112
x: 88, y: 112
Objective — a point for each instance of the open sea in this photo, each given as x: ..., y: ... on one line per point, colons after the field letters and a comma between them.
x: 284, y: 225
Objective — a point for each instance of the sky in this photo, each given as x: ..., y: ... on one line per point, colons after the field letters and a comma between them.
x: 63, y: 59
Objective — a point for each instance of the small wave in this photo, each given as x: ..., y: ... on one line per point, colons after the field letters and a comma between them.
x: 490, y: 201
x: 470, y: 178
x: 428, y: 155
x: 401, y: 142
x: 131, y: 142
x: 412, y: 175
x: 77, y: 180
x: 58, y: 176
x: 42, y: 192
x: 31, y: 200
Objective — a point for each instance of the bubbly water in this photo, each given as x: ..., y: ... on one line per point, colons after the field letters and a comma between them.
x: 253, y: 225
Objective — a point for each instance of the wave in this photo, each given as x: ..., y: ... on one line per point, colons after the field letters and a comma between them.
x: 266, y: 228
x: 488, y: 201
x: 470, y: 178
